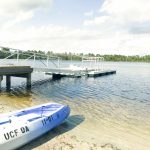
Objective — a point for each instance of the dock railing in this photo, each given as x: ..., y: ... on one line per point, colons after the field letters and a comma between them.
x: 17, y: 54
x: 93, y: 62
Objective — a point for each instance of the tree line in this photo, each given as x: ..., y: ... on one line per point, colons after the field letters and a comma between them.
x: 5, y: 52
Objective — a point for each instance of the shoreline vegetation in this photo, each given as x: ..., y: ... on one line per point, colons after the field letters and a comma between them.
x: 5, y: 52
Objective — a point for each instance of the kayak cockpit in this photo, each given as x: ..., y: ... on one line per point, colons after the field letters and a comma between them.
x: 31, y: 114
x: 5, y: 122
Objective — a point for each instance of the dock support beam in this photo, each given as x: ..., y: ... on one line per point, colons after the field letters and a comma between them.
x: 1, y: 78
x: 8, y: 83
x: 28, y: 81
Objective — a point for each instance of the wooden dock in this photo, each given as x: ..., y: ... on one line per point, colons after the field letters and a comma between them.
x: 15, y: 71
x: 89, y: 67
x: 57, y: 73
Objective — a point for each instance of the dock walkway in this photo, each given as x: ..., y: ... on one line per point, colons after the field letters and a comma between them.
x: 59, y: 73
x: 51, y: 65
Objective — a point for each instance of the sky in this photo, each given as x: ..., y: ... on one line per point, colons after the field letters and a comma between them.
x: 77, y: 26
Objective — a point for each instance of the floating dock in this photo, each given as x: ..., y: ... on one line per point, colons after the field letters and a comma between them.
x: 80, y: 73
x: 101, y: 73
x: 89, y: 69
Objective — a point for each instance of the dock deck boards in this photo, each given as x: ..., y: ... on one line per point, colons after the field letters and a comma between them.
x: 14, y: 70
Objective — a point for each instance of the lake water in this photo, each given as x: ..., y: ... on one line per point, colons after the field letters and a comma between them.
x: 111, y: 111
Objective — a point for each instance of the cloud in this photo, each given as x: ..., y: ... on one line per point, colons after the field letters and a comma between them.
x: 140, y: 27
x: 96, y: 21
x: 127, y: 10
x: 20, y: 17
x: 13, y: 12
x: 123, y: 15
x: 62, y: 39
x: 121, y: 27
x: 9, y: 7
x: 126, y: 21
x: 89, y: 14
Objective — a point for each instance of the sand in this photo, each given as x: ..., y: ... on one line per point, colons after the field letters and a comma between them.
x: 64, y: 137
x: 79, y: 132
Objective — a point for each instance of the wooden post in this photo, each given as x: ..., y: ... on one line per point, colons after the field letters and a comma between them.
x: 8, y: 83
x: 1, y: 78
x: 29, y: 81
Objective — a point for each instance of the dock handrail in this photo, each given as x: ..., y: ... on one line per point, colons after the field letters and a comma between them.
x: 93, y: 61
x: 29, y: 55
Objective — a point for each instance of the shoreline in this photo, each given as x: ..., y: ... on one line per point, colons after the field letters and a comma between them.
x: 64, y: 137
x: 80, y: 131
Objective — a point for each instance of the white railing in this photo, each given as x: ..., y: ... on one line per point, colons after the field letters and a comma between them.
x: 93, y: 62
x: 16, y: 53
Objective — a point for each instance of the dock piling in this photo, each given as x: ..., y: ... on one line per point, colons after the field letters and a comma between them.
x: 28, y: 81
x: 1, y: 78
x: 8, y: 82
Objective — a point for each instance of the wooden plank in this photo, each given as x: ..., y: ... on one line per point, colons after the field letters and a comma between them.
x: 12, y: 70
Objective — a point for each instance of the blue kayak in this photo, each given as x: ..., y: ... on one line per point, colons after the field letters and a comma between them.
x: 20, y: 127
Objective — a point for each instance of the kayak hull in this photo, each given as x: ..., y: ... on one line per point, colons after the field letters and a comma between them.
x: 26, y: 125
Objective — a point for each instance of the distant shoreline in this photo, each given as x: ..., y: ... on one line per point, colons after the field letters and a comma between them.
x: 105, y: 60
x: 5, y: 52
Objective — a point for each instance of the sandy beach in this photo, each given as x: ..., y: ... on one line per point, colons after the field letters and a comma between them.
x: 64, y: 137
x: 78, y: 132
